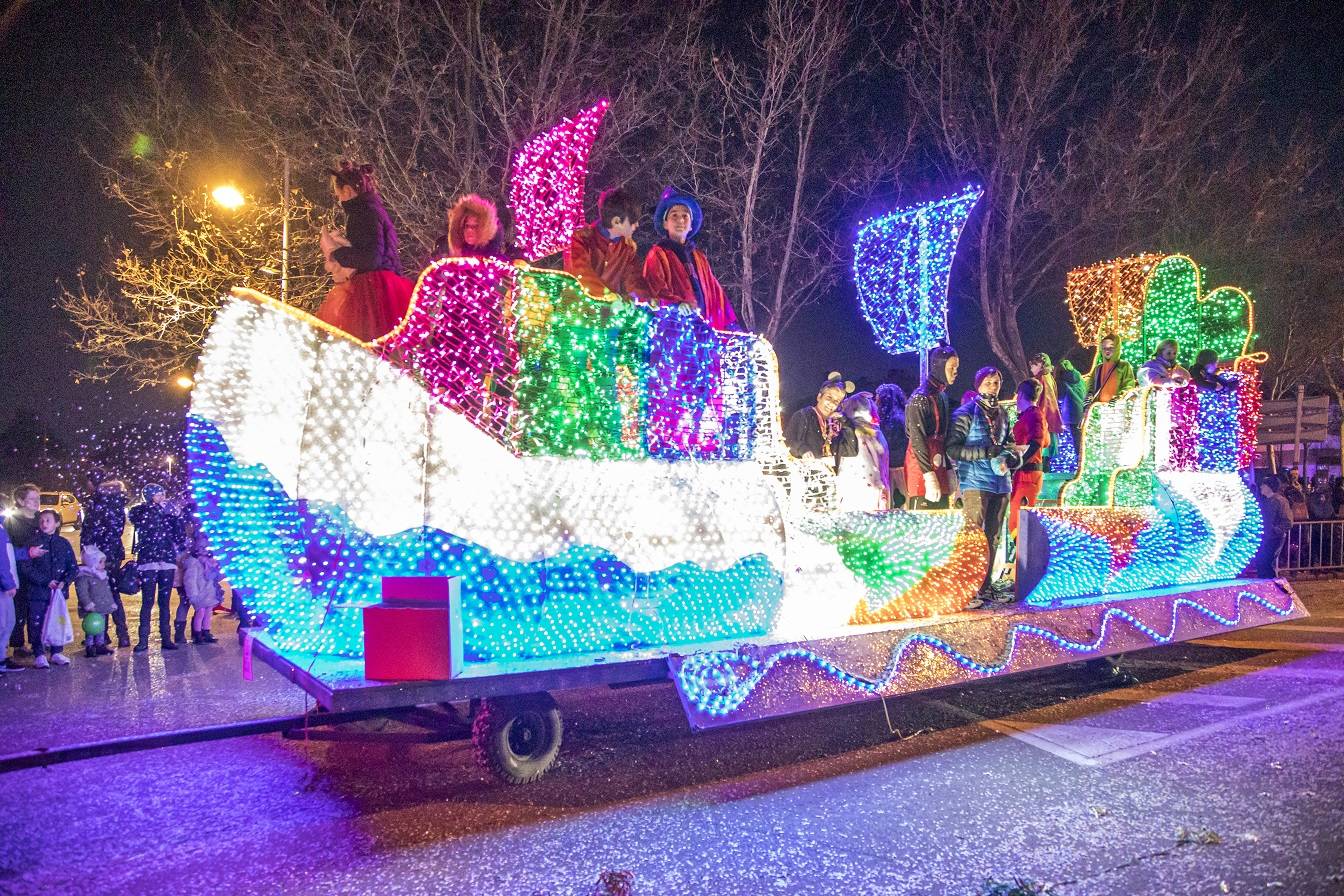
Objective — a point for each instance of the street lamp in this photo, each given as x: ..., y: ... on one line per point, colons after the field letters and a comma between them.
x: 228, y: 196
x: 168, y: 459
x: 184, y: 381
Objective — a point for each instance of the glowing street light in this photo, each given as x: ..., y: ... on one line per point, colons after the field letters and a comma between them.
x: 184, y: 382
x: 228, y: 196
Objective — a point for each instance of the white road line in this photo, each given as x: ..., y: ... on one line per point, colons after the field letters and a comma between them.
x: 1300, y: 646
x: 1304, y: 627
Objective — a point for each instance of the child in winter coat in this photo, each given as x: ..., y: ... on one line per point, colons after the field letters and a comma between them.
x: 679, y: 273
x: 201, y: 580
x: 94, y: 594
x: 45, y: 578
x: 603, y: 254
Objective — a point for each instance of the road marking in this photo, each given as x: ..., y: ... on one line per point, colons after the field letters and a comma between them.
x: 1300, y: 646
x: 1303, y: 627
x: 1092, y: 746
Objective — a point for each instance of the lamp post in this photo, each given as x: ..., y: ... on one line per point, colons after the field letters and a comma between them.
x: 230, y: 197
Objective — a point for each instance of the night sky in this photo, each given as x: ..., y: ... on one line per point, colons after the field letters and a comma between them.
x: 62, y: 61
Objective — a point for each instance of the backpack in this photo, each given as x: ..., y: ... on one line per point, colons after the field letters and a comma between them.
x: 127, y: 578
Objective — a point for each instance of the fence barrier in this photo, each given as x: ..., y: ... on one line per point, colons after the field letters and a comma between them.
x: 1313, y: 546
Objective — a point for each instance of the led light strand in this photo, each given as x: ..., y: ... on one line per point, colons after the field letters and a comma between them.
x: 546, y: 183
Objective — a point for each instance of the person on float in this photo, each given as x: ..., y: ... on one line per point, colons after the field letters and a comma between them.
x: 46, y: 577
x: 158, y: 533
x: 927, y: 417
x: 812, y: 431
x: 104, y: 528
x: 1162, y: 369
x: 977, y: 441
x: 1043, y: 371
x: 21, y: 526
x: 1278, y: 517
x: 603, y: 255
x: 862, y: 458
x: 376, y: 296
x: 1205, y: 373
x: 471, y: 231
x: 1111, y: 375
x: 1029, y: 434
x: 1072, y: 401
x: 679, y: 273
x: 93, y: 594
x: 891, y: 401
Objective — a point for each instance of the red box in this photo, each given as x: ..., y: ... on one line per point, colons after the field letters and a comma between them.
x: 408, y: 636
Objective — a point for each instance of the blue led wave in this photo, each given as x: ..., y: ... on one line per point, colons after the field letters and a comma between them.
x: 311, y: 571
x: 719, y: 682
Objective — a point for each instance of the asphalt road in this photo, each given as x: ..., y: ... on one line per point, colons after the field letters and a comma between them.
x: 1220, y: 773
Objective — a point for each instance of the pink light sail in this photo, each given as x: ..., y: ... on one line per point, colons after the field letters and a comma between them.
x: 546, y: 183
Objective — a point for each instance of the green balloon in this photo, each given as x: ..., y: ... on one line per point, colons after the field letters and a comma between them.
x: 94, y: 623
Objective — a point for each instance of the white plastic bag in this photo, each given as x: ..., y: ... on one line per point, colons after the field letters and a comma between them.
x: 56, y: 628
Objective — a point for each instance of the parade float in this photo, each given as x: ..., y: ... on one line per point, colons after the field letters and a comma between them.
x: 525, y: 488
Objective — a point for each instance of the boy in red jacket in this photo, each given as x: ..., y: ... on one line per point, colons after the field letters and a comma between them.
x: 1031, y: 432
x: 679, y: 273
x: 603, y: 255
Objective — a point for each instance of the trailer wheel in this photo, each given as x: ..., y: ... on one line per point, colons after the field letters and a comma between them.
x: 517, y: 738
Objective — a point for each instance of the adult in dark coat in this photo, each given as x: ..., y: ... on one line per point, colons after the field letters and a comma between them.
x: 159, y: 536
x: 104, y: 528
x: 21, y: 527
x: 927, y: 416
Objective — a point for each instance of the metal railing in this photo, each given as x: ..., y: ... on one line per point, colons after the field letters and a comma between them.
x: 1313, y: 546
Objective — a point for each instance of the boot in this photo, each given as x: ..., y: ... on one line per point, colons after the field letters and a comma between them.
x: 206, y: 637
x: 196, y: 637
x: 179, y: 630
x: 88, y: 648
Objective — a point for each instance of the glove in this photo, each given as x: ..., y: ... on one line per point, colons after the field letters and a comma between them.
x: 1066, y: 364
x: 932, y: 492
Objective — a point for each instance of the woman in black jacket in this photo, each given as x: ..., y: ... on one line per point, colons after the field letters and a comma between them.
x: 42, y: 576
x: 375, y: 298
x: 159, y: 536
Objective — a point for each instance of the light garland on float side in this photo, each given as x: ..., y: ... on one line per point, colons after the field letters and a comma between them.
x: 684, y: 389
x: 546, y: 183
x: 719, y: 683
x: 1176, y: 307
x: 902, y: 265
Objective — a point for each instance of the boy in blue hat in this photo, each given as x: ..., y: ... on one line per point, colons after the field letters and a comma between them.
x: 679, y: 273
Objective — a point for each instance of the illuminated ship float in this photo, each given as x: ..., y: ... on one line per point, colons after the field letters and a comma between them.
x: 607, y: 486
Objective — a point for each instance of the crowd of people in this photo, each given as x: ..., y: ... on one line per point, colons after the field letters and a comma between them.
x: 1000, y: 468
x: 38, y: 570
x: 369, y: 296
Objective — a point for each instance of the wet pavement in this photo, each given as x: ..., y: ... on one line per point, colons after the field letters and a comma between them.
x: 1219, y: 773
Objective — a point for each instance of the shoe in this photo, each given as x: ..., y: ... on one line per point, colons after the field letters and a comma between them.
x: 104, y: 650
x: 60, y: 659
x: 88, y: 652
x: 124, y: 641
x: 11, y: 664
x: 165, y: 644
x: 41, y: 663
x: 179, y: 631
x: 22, y: 651
x: 207, y: 638
x: 141, y: 647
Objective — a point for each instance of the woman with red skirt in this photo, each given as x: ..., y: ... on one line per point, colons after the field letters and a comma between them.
x: 374, y: 299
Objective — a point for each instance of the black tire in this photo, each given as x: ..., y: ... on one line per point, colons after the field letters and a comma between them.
x: 516, y: 739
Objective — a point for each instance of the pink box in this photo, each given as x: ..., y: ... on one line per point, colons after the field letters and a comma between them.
x: 419, y: 590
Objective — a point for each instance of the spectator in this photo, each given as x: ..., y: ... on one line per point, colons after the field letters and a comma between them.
x: 1337, y: 494
x: 201, y: 580
x: 9, y: 586
x: 46, y: 577
x: 1320, y: 497
x: 21, y: 526
x: 1278, y: 518
x: 105, y: 528
x: 93, y: 593
x: 158, y: 532
x: 1295, y: 493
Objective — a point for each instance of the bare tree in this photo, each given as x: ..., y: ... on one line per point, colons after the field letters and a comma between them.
x: 1080, y: 118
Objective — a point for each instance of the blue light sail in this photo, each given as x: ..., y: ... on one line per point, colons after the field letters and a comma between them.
x: 902, y: 265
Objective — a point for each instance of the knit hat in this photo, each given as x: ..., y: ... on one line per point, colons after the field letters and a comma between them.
x: 91, y: 555
x: 153, y: 489
x: 938, y: 358
x: 672, y: 196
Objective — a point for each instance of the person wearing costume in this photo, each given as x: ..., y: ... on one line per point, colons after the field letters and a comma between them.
x: 603, y: 255
x: 1205, y: 373
x: 1072, y: 401
x: 1162, y: 369
x: 977, y: 441
x: 927, y: 417
x: 813, y: 431
x: 1030, y: 434
x: 1043, y: 371
x: 376, y: 297
x: 679, y: 273
x: 1111, y: 376
x: 862, y: 461
x: 472, y: 231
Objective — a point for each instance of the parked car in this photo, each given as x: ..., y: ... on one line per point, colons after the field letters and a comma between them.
x: 67, y: 505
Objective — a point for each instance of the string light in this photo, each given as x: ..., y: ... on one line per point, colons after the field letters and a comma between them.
x: 1107, y: 297
x: 546, y: 183
x: 902, y: 263
x: 718, y: 683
